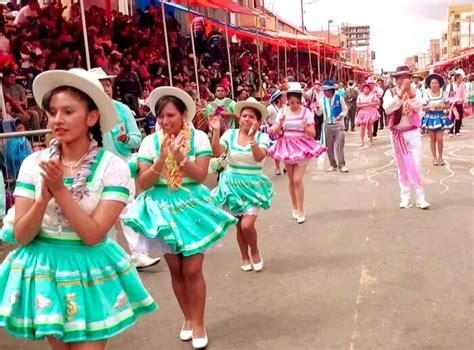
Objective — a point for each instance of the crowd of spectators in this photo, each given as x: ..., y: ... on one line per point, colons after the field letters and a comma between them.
x: 130, y: 47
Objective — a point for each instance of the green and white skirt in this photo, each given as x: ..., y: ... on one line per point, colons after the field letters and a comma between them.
x: 241, y: 193
x: 184, y: 221
x: 70, y: 291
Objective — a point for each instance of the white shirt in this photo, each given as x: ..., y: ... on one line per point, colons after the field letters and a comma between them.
x: 24, y: 14
x: 272, y: 113
x: 4, y: 44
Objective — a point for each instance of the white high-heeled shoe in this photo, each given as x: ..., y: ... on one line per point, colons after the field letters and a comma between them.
x: 258, y: 266
x: 200, y: 343
x: 301, y: 219
x: 294, y: 215
x: 186, y: 334
x: 246, y: 268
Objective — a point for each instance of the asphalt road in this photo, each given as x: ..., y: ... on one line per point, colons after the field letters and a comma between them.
x: 359, y: 274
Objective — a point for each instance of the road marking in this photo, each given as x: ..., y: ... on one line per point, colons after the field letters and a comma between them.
x: 452, y: 173
x: 366, y: 281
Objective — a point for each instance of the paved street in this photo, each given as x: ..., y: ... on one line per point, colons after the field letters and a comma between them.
x: 359, y: 274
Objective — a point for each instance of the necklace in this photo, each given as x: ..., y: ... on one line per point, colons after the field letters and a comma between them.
x: 71, y: 165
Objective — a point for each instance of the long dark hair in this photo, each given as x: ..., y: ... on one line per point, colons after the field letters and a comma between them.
x: 91, y: 106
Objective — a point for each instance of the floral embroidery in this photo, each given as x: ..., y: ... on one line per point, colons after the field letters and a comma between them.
x: 121, y: 300
x: 14, y: 298
x: 71, y: 308
x: 42, y: 303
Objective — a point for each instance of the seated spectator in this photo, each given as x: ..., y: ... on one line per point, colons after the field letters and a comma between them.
x: 15, y: 94
x: 27, y: 14
x: 16, y: 150
x: 127, y: 86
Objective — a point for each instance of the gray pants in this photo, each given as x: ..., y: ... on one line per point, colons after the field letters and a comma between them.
x: 335, y: 140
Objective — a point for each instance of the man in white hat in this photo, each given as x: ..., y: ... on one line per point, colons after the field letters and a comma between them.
x: 121, y: 141
x: 457, y: 98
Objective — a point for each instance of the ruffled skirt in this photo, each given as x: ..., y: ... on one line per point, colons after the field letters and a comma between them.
x: 436, y: 121
x: 367, y: 116
x: 293, y: 150
x: 240, y: 192
x: 184, y: 221
x: 70, y: 291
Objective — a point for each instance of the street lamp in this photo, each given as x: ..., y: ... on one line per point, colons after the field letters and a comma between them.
x: 329, y: 25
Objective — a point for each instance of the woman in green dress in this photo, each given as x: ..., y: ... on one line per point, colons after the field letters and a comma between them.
x: 67, y: 281
x: 175, y: 214
x: 243, y: 188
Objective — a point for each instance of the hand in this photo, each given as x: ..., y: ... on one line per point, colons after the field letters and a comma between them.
x: 305, y: 125
x: 25, y: 117
x: 122, y: 137
x: 406, y: 87
x: 214, y: 122
x: 253, y: 130
x: 52, y: 175
x: 178, y: 147
x: 46, y: 195
x: 165, y: 147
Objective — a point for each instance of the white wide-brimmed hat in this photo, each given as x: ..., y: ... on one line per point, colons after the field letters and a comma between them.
x: 295, y: 88
x: 100, y: 74
x: 251, y: 103
x: 460, y: 71
x: 182, y: 95
x: 83, y: 81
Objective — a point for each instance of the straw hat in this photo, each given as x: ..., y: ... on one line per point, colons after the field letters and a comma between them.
x: 182, y: 95
x: 294, y: 88
x: 83, y: 81
x: 370, y: 80
x: 100, y: 74
x: 460, y: 72
x: 251, y: 103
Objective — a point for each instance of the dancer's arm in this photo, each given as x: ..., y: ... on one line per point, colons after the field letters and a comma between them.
x: 91, y: 228
x: 217, y: 147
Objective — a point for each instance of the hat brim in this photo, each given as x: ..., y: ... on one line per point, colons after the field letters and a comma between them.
x: 50, y: 80
x: 438, y: 77
x: 104, y: 77
x: 404, y: 72
x: 274, y: 98
x: 239, y: 106
x: 327, y: 88
x: 163, y: 91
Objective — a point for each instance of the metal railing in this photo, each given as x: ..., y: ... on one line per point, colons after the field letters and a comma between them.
x: 14, y: 148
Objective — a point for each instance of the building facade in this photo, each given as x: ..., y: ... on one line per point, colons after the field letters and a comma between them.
x: 435, y: 51
x: 459, y: 31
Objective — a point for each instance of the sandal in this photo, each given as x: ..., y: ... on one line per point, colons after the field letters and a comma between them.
x: 278, y: 172
x: 285, y: 171
x: 441, y: 162
x: 435, y: 162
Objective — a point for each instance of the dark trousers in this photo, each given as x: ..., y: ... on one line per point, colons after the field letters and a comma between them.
x: 350, y: 118
x: 318, y: 119
x: 379, y: 123
x: 458, y: 122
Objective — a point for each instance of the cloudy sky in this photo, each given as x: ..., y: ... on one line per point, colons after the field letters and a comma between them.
x: 399, y: 28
